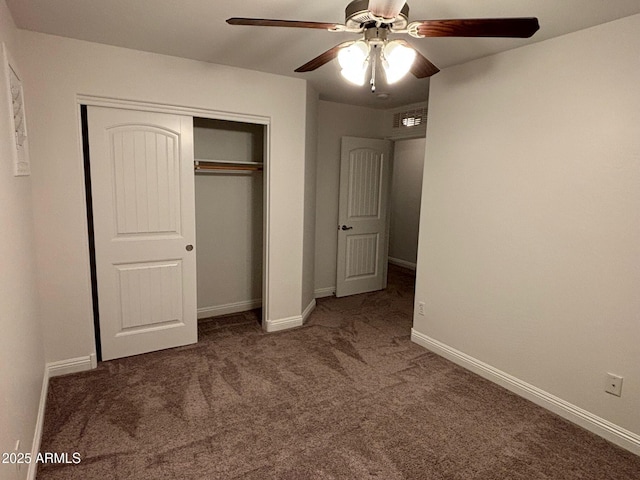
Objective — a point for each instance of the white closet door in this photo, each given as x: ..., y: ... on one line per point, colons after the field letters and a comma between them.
x: 144, y: 229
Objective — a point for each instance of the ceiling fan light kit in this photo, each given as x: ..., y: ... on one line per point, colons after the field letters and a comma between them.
x: 354, y: 62
x: 375, y: 20
x: 397, y: 60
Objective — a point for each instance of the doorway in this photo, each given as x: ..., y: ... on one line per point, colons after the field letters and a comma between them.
x: 379, y: 211
x: 405, y: 200
x: 229, y: 215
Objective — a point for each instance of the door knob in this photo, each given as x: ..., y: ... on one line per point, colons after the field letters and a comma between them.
x: 344, y: 227
x: 189, y: 248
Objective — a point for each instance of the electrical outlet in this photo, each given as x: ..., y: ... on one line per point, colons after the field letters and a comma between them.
x: 421, y: 308
x: 614, y: 384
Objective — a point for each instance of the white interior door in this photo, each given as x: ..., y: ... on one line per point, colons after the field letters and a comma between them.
x: 144, y: 229
x: 363, y: 216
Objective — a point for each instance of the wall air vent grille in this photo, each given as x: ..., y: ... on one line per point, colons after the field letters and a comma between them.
x: 410, y: 118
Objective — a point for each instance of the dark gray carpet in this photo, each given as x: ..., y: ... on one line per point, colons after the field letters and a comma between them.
x: 347, y: 396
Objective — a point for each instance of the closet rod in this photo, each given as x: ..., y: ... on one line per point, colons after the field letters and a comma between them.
x: 205, y: 168
x: 225, y: 162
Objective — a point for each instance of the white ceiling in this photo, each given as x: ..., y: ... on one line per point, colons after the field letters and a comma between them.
x: 196, y: 29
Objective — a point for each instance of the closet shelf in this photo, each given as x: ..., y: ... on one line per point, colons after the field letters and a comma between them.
x: 213, y: 165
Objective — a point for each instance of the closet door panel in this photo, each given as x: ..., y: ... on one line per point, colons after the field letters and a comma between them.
x: 144, y: 220
x: 147, y: 180
x: 149, y: 294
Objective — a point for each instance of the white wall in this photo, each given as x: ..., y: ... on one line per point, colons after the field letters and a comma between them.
x: 335, y: 120
x: 406, y: 191
x: 229, y: 207
x: 21, y: 352
x: 57, y: 70
x: 529, y: 251
x: 308, y: 266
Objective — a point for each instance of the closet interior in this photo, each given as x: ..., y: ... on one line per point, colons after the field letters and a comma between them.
x: 229, y: 159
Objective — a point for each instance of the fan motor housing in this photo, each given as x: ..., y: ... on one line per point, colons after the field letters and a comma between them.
x: 357, y: 15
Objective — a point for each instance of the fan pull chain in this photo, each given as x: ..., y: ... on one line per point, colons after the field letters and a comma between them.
x: 374, y: 59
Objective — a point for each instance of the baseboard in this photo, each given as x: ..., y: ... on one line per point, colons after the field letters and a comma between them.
x: 325, y: 292
x: 54, y: 369
x: 206, y: 312
x: 72, y: 365
x: 610, y: 431
x: 32, y: 471
x: 402, y: 263
x: 308, y: 310
x: 283, y: 323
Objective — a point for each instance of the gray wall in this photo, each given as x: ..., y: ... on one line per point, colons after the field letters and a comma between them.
x: 21, y: 350
x: 406, y: 191
x: 59, y: 69
x: 529, y: 248
x: 310, y: 171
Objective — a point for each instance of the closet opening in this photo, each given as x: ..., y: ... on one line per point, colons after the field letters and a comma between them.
x: 229, y: 207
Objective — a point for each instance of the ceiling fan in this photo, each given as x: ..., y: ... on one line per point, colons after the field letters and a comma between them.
x: 377, y: 20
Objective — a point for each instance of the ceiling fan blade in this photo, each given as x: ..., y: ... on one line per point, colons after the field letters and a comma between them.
x: 323, y: 58
x: 421, y: 67
x: 477, y: 27
x: 264, y: 22
x: 386, y: 8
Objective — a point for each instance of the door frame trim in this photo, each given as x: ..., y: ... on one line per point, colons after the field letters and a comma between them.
x: 127, y: 104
